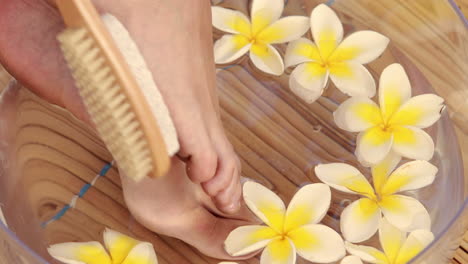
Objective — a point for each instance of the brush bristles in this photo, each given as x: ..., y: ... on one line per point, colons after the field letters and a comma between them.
x: 107, y: 104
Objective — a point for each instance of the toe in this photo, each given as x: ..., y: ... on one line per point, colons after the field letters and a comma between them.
x: 225, y: 187
x: 209, y: 233
x: 222, y: 180
x: 228, y: 200
x: 202, y: 164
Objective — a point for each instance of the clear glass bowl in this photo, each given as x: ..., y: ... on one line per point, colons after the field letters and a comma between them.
x: 47, y: 156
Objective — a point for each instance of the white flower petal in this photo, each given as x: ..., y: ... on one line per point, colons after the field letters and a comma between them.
x: 420, y: 111
x: 267, y: 59
x: 414, y: 244
x: 284, y: 30
x: 361, y: 160
x: 308, y: 81
x: 394, y: 89
x: 360, y: 220
x: 373, y: 145
x: 357, y: 114
x: 383, y: 169
x: 229, y: 48
x: 309, y: 96
x: 119, y: 245
x: 410, y: 176
x: 276, y: 7
x: 230, y: 21
x: 264, y: 13
x: 318, y: 243
x: 368, y: 254
x: 279, y: 251
x: 141, y: 253
x: 265, y: 204
x: 247, y: 239
x: 351, y: 260
x: 344, y: 177
x: 361, y: 47
x: 308, y: 206
x: 80, y: 253
x: 327, y: 29
x: 404, y: 212
x: 300, y: 51
x: 412, y: 143
x: 352, y: 79
x: 391, y: 239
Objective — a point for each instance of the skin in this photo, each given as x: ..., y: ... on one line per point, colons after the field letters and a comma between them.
x: 177, y: 45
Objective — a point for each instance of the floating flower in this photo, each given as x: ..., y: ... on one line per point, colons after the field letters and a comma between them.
x: 257, y: 35
x: 288, y: 230
x: 329, y: 56
x: 122, y: 249
x: 360, y: 219
x: 394, y: 126
x: 397, y: 247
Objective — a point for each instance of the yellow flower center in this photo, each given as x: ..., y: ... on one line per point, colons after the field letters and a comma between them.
x: 253, y: 40
x: 386, y: 127
x: 325, y: 64
x: 378, y: 198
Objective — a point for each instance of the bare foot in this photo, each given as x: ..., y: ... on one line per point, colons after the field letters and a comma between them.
x: 175, y: 39
x: 176, y: 207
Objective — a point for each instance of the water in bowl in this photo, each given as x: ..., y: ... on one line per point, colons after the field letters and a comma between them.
x: 47, y: 156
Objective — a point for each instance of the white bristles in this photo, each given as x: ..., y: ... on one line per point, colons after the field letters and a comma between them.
x: 106, y: 103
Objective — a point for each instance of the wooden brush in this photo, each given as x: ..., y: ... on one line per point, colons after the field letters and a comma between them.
x: 117, y: 104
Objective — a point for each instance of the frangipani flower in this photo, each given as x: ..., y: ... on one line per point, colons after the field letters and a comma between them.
x: 394, y: 126
x: 122, y: 249
x: 331, y: 57
x: 256, y: 35
x: 290, y: 230
x: 360, y: 219
x: 397, y: 247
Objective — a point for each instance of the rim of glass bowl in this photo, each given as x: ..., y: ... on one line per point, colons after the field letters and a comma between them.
x: 459, y: 12
x: 24, y: 247
x: 458, y: 216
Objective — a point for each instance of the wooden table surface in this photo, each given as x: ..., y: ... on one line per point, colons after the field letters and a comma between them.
x: 461, y: 256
